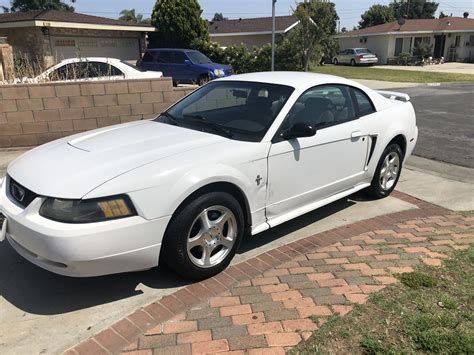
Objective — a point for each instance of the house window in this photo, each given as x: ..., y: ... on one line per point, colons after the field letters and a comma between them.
x: 65, y: 43
x: 457, y: 42
x: 471, y: 41
x: 398, y: 46
x: 108, y: 43
x: 422, y: 39
x: 87, y: 42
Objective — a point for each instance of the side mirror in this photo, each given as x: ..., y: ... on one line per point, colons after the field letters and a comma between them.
x: 187, y: 62
x: 298, y: 130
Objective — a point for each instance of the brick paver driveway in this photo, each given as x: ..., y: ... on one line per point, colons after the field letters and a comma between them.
x: 267, y: 304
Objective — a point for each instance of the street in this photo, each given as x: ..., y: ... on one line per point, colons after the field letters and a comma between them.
x: 445, y: 117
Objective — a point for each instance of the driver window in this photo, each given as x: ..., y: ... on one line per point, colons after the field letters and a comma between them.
x: 322, y: 106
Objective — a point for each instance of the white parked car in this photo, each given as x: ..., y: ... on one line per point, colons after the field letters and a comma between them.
x: 235, y: 157
x: 94, y: 68
x: 355, y: 56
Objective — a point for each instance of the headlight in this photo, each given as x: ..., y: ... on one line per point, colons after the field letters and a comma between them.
x: 219, y: 72
x: 87, y: 211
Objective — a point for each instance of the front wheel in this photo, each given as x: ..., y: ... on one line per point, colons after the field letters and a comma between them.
x: 204, y: 236
x: 353, y: 62
x: 387, y: 172
x: 335, y: 62
x: 203, y: 79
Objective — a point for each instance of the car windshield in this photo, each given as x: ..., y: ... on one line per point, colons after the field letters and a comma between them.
x: 198, y: 58
x: 238, y: 110
x: 362, y: 50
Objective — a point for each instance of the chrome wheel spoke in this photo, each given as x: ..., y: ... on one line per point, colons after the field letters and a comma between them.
x: 197, y: 241
x: 206, y: 223
x: 221, y: 221
x: 206, y: 256
x: 228, y: 243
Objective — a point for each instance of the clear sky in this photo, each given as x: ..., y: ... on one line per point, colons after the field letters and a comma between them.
x: 349, y: 10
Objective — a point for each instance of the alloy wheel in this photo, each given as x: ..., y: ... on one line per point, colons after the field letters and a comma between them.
x: 212, y: 236
x: 389, y: 171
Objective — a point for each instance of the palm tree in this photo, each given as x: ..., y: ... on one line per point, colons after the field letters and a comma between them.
x: 131, y: 16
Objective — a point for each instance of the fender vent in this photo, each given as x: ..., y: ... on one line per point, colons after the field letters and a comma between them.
x: 373, y: 140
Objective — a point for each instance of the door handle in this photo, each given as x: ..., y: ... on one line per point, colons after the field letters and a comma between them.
x: 356, y: 134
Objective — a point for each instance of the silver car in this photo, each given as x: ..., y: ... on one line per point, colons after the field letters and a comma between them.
x: 355, y: 56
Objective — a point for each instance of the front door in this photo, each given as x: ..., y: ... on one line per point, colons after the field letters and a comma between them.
x: 304, y: 170
x: 438, y: 51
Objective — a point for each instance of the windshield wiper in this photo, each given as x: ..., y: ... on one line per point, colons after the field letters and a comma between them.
x: 170, y: 117
x: 216, y: 126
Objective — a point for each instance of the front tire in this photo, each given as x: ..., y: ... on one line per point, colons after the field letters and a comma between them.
x: 203, y: 236
x: 387, y: 172
x: 335, y: 62
x: 353, y: 63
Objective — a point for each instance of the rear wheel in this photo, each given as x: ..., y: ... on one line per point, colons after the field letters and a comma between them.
x: 204, y: 236
x: 387, y: 172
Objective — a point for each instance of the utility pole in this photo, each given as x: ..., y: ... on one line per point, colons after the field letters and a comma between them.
x: 273, y: 34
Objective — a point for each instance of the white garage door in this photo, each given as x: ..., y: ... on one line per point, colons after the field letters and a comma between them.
x: 72, y: 47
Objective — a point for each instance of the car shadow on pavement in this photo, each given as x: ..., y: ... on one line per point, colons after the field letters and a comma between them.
x: 37, y: 291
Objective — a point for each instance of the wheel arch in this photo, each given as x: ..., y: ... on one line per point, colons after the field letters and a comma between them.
x: 401, y: 140
x: 221, y: 186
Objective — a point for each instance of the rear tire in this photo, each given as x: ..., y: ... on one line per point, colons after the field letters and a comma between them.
x: 387, y: 172
x: 203, y: 236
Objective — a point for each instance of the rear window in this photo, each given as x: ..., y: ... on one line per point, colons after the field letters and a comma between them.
x: 363, y: 50
x: 147, y: 57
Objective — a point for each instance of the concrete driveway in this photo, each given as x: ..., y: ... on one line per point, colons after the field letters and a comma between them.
x: 457, y: 68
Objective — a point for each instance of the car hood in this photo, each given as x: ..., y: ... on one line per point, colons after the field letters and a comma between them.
x: 72, y: 167
x: 212, y: 66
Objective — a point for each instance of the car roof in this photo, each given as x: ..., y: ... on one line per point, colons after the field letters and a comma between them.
x: 171, y: 49
x: 90, y: 59
x: 289, y: 78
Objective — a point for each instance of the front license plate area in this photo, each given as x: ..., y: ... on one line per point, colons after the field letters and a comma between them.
x: 3, y: 226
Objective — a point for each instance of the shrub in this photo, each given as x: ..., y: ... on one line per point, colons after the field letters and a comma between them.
x: 403, y: 58
x: 423, y: 50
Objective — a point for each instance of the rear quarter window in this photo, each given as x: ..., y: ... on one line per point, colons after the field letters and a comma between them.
x: 364, y: 105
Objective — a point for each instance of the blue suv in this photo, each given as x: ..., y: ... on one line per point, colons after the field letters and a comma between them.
x: 185, y: 66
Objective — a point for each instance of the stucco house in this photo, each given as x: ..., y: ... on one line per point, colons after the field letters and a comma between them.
x: 451, y: 38
x: 251, y: 31
x: 51, y: 35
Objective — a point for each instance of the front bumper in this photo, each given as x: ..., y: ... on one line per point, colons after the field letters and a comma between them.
x: 82, y: 250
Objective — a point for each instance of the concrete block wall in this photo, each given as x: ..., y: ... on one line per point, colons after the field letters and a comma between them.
x: 34, y: 114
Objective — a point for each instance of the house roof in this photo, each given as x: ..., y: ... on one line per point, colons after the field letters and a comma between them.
x: 251, y: 25
x: 47, y: 17
x: 446, y: 24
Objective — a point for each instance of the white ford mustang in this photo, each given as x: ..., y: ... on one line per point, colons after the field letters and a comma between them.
x: 238, y: 156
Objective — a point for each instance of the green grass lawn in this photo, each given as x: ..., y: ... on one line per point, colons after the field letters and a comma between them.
x: 408, y: 76
x: 430, y: 311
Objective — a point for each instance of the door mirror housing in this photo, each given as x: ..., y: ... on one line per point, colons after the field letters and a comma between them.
x: 298, y: 130
x: 187, y: 62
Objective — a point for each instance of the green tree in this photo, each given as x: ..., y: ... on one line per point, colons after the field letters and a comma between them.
x: 442, y: 15
x: 131, y: 16
x: 178, y: 24
x: 27, y: 5
x: 219, y: 17
x: 414, y: 9
x: 313, y: 37
x: 377, y: 15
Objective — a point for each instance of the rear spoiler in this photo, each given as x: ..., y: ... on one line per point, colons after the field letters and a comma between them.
x: 394, y: 95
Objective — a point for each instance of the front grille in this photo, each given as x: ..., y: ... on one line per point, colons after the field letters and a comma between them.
x: 19, y: 194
